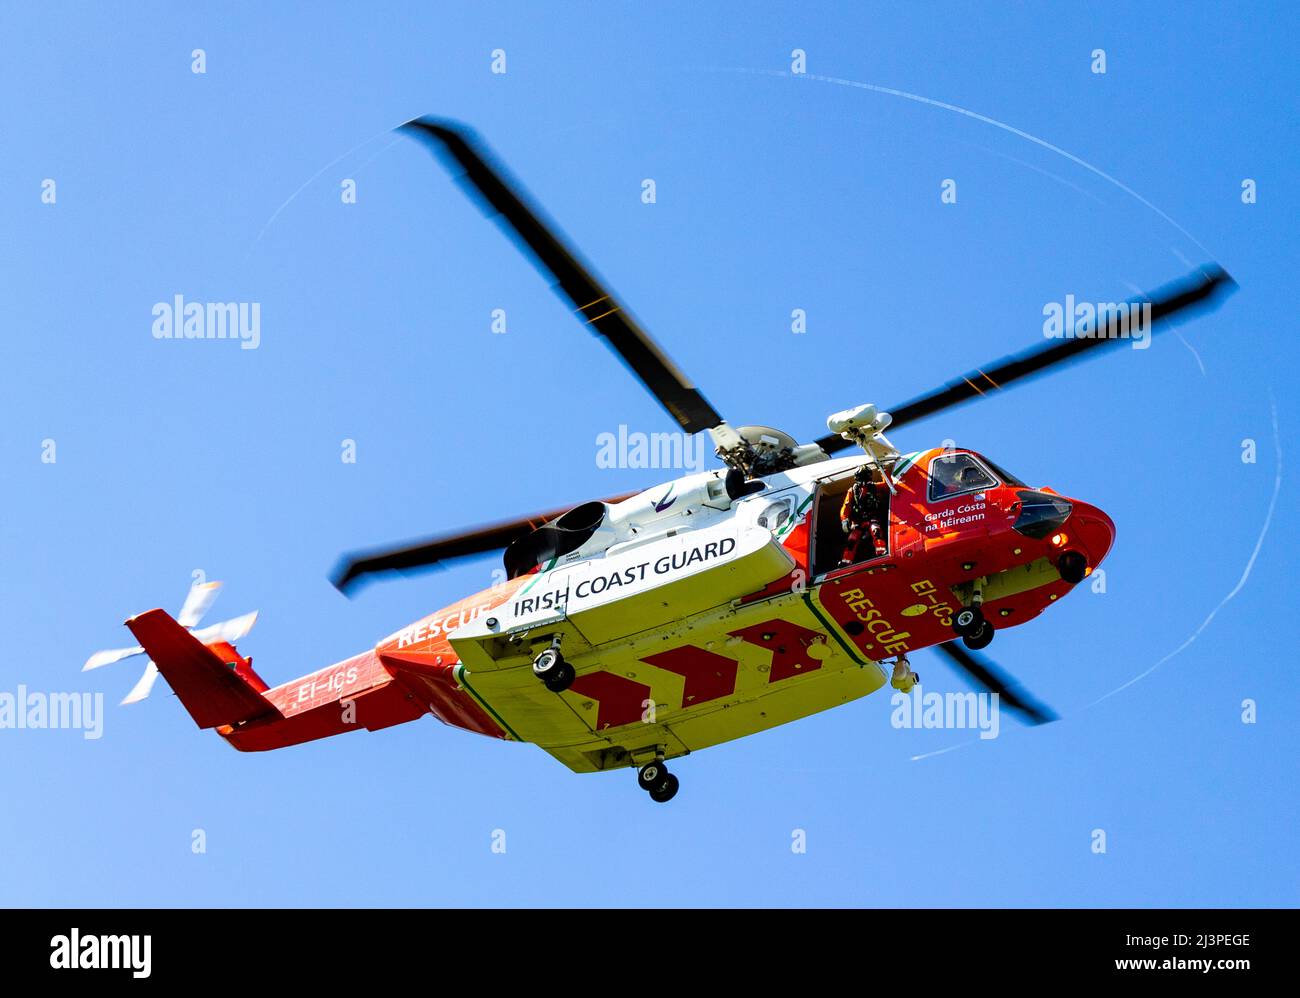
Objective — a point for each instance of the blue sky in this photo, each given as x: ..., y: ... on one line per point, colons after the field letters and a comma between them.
x: 772, y: 194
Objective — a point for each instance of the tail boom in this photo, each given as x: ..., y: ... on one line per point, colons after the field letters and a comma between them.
x: 220, y: 690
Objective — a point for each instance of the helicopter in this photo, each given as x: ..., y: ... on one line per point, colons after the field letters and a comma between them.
x: 638, y: 628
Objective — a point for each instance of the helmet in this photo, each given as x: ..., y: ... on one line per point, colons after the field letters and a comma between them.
x: 969, y: 476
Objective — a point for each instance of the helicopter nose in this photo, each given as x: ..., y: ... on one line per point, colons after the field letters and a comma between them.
x: 1086, y: 538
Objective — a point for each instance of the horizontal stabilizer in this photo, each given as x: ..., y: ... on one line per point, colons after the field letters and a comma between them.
x: 211, y: 690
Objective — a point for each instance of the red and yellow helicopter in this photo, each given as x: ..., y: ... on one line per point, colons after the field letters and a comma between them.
x: 643, y: 627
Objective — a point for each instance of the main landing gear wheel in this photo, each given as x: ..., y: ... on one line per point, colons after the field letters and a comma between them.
x: 561, y: 678
x: 551, y: 668
x: 655, y: 779
x: 666, y: 791
x: 968, y: 620
x: 980, y: 638
x: 651, y: 775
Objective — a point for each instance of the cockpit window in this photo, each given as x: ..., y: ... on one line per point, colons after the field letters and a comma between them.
x: 1005, y: 475
x: 954, y: 474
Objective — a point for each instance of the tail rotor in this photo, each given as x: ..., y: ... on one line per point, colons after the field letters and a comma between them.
x: 196, y: 605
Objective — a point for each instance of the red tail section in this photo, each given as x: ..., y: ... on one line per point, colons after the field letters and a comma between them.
x: 220, y: 690
x: 215, y: 690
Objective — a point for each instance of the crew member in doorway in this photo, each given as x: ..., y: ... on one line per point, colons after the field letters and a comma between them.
x: 863, y: 517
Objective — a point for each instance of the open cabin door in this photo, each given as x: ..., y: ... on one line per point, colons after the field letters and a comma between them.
x: 835, y: 548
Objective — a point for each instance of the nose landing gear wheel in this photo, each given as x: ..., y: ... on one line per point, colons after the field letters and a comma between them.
x: 554, y: 672
x: 981, y: 638
x: 968, y: 620
x: 1073, y: 567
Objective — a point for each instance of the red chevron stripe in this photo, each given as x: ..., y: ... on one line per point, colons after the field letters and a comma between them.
x: 620, y: 698
x: 708, y: 676
x: 788, y: 643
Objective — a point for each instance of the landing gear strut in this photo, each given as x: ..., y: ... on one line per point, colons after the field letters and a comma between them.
x: 655, y: 779
x: 554, y: 672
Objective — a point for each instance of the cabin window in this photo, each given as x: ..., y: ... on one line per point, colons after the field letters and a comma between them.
x: 955, y: 474
x: 777, y: 514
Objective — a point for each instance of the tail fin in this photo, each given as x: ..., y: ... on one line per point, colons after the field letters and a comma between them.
x: 216, y: 690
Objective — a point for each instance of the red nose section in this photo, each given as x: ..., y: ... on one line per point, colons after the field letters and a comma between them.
x: 1089, y: 530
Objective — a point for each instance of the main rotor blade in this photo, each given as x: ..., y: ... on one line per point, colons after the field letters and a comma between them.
x: 987, y: 675
x: 353, y: 570
x: 1200, y: 290
x: 594, y: 301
